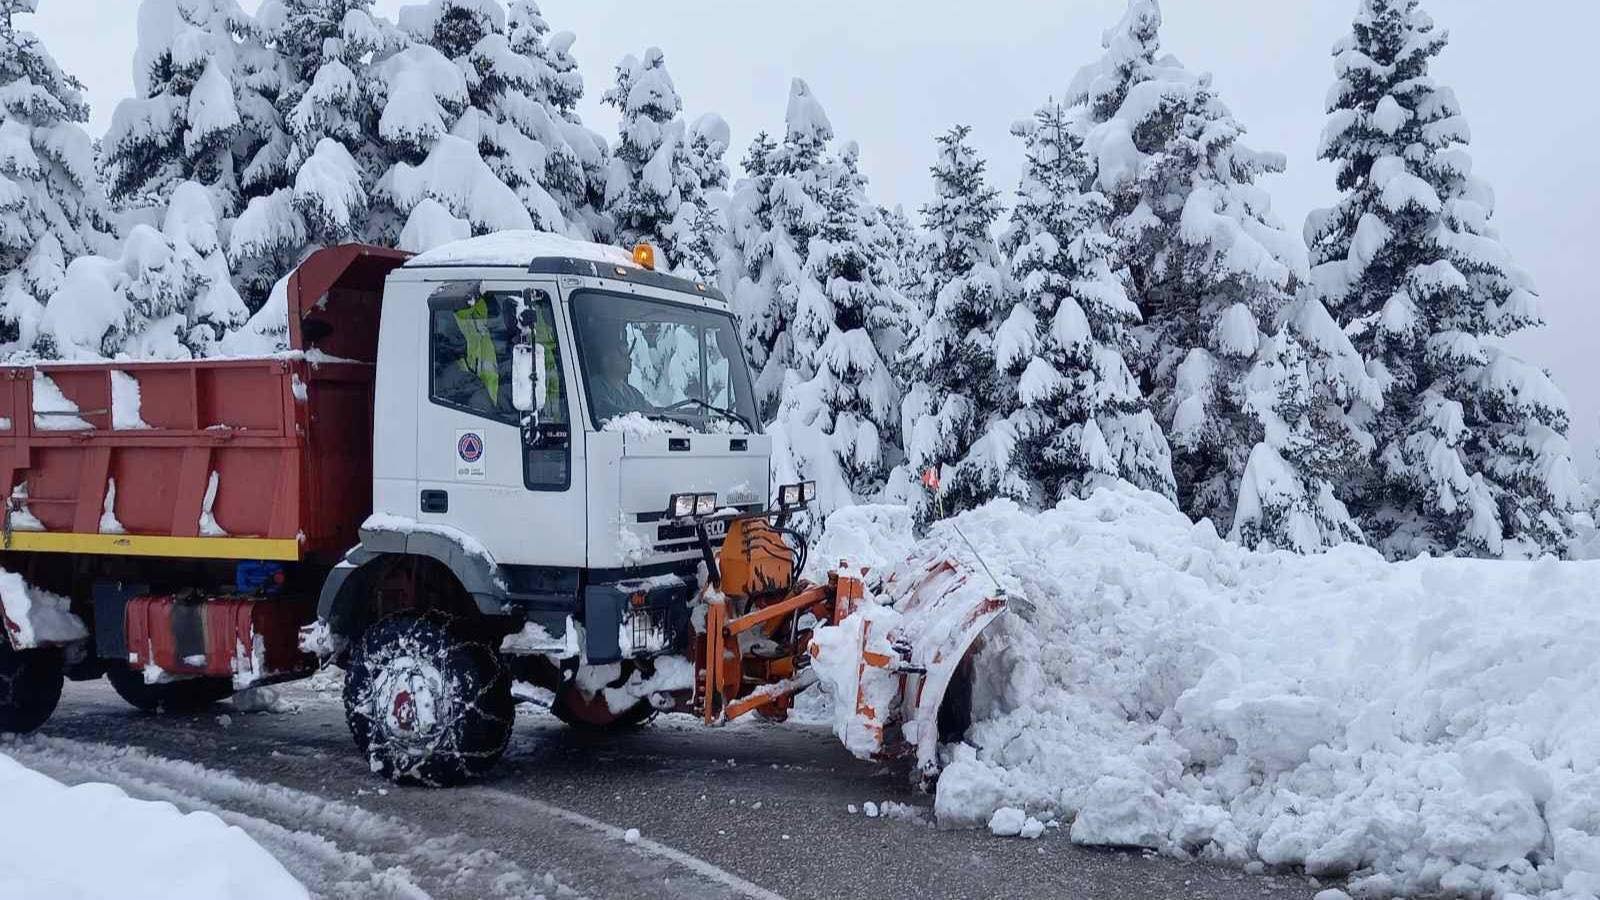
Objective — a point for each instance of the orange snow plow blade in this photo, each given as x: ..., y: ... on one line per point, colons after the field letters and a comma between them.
x: 913, y: 650
x: 899, y: 657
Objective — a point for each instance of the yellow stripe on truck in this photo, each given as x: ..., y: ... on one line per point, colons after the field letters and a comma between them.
x: 280, y: 549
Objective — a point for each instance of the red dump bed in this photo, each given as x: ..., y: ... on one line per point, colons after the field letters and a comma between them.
x: 287, y: 440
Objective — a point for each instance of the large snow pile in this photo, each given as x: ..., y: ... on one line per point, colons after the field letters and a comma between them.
x: 94, y: 841
x: 1423, y: 726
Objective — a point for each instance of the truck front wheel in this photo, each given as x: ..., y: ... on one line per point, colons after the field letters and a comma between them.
x: 30, y: 687
x: 187, y: 695
x: 427, y: 701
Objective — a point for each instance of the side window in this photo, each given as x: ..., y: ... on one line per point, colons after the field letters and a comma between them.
x: 470, y: 334
x: 549, y: 443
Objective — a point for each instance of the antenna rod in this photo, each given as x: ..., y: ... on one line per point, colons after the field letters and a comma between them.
x: 997, y: 585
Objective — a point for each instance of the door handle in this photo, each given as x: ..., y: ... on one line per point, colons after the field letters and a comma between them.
x: 435, y: 501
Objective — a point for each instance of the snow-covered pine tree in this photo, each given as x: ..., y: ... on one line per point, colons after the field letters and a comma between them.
x: 1592, y: 485
x: 641, y: 190
x: 325, y: 53
x: 847, y: 316
x: 815, y: 310
x: 443, y: 100
x: 51, y: 202
x: 774, y: 214
x: 1208, y: 264
x: 574, y: 158
x: 1311, y: 391
x: 1586, y: 536
x: 164, y: 294
x: 1079, y: 415
x: 957, y: 407
x: 662, y: 170
x: 903, y: 248
x: 202, y: 109
x: 1472, y: 454
x: 699, y: 227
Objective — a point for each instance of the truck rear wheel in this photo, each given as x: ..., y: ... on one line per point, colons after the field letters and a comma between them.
x: 30, y: 687
x: 187, y: 695
x: 427, y: 701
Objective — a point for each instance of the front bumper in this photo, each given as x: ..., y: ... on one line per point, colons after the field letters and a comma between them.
x: 636, y: 618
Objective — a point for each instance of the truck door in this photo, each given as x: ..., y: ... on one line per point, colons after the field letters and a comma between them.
x: 495, y: 456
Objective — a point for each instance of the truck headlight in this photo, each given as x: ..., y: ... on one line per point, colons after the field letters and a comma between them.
x: 795, y: 495
x: 683, y: 506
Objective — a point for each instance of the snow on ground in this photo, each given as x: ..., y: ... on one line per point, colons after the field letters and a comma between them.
x: 138, y: 849
x: 334, y: 847
x: 1424, y: 726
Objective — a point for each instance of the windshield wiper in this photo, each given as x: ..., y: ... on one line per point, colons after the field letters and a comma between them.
x: 666, y: 417
x: 735, y: 415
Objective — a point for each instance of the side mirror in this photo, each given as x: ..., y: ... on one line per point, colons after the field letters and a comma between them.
x: 524, y: 372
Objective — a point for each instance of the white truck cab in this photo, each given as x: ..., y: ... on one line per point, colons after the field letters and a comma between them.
x: 540, y: 403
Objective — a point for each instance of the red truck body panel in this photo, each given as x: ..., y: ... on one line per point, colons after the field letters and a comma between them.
x: 289, y: 438
x: 251, y: 640
x: 256, y: 639
x: 153, y: 636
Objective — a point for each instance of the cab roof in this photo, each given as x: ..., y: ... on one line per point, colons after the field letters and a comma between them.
x: 544, y: 253
x: 519, y: 249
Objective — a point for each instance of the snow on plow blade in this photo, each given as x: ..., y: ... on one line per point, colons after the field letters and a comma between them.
x: 896, y: 660
x: 899, y: 665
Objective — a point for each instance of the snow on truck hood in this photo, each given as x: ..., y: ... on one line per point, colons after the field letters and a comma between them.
x: 518, y: 248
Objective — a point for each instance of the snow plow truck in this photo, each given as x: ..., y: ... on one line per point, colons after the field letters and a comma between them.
x: 513, y: 459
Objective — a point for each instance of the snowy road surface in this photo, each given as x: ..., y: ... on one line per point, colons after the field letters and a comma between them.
x: 749, y: 812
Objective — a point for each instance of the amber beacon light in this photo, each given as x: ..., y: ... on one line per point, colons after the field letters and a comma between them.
x: 645, y: 256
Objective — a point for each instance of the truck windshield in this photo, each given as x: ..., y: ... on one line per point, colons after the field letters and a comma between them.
x: 655, y: 361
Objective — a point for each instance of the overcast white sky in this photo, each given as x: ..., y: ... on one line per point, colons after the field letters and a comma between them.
x: 893, y: 73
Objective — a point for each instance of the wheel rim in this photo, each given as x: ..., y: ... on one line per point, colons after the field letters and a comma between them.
x: 412, y: 700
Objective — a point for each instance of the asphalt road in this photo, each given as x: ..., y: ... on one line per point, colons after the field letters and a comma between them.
x: 752, y: 811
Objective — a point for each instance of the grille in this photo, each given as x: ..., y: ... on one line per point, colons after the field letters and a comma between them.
x: 679, y: 537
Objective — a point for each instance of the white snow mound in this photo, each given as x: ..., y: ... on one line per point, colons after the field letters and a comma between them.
x: 135, y: 848
x: 1423, y: 726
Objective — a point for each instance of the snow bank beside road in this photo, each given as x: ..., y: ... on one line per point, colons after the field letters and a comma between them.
x: 94, y: 841
x: 1432, y: 725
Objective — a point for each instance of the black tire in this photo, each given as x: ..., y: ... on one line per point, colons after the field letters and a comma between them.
x: 30, y: 687
x: 428, y: 702
x: 188, y: 695
x: 581, y: 714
